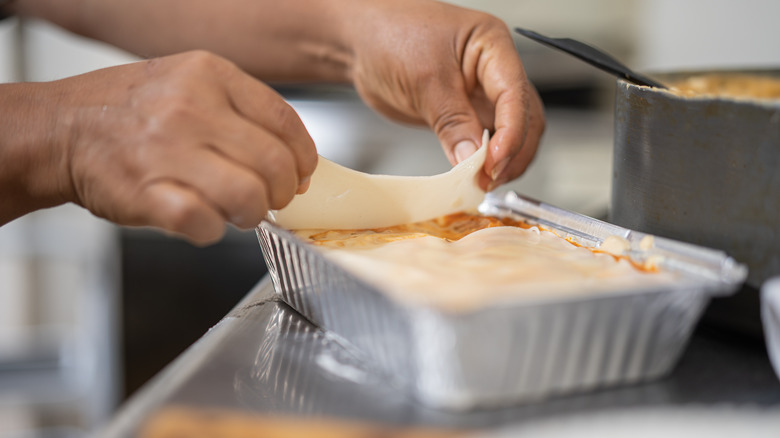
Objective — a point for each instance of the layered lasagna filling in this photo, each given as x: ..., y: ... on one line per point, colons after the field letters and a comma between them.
x: 464, y: 261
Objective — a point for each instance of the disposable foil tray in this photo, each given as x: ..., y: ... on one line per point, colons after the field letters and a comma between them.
x: 517, y: 351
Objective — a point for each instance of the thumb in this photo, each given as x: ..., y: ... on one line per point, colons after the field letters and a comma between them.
x: 456, y: 124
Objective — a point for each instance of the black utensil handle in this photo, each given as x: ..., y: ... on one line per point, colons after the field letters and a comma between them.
x: 592, y: 56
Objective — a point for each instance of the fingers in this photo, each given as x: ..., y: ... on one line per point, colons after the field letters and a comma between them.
x: 197, y: 194
x: 454, y: 120
x: 263, y: 154
x: 501, y: 74
x: 517, y: 152
x: 517, y: 110
x: 185, y: 143
x: 262, y: 106
x: 242, y: 197
x: 479, y: 85
x: 240, y: 174
x: 172, y: 207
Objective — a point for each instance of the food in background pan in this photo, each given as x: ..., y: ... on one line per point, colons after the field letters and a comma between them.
x: 462, y: 261
x: 196, y: 422
x: 728, y: 85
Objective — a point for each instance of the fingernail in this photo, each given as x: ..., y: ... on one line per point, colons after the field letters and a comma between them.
x: 464, y: 149
x: 498, y: 168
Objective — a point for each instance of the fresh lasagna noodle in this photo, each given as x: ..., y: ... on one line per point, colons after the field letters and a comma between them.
x: 464, y: 261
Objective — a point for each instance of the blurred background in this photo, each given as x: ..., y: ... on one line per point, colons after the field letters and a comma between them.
x: 90, y: 311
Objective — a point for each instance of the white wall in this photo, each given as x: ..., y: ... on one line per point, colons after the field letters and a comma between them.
x: 702, y: 34
x: 51, y: 53
x: 591, y: 19
x: 59, y: 278
x: 9, y: 69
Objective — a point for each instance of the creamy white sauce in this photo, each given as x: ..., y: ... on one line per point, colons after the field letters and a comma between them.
x: 489, y: 265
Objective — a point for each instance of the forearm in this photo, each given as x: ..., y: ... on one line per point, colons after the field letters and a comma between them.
x: 417, y: 61
x: 31, y: 166
x: 289, y: 40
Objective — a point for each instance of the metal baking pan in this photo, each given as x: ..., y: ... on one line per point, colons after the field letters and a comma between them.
x: 516, y: 351
x: 703, y: 170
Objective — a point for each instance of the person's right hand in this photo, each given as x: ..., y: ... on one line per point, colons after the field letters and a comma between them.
x: 184, y: 143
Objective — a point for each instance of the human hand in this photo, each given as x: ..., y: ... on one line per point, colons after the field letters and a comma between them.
x: 454, y: 69
x: 184, y: 143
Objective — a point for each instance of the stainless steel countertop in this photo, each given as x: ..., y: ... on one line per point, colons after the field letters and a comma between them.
x: 264, y: 357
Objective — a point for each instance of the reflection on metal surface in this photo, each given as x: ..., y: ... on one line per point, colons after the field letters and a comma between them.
x: 274, y: 375
x: 770, y: 317
x: 300, y: 369
x: 269, y: 340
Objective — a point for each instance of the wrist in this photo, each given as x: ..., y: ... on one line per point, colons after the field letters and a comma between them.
x: 33, y: 162
x: 317, y: 39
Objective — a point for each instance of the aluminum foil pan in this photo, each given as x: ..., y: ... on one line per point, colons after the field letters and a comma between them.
x: 518, y: 351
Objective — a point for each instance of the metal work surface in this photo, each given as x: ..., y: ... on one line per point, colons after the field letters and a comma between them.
x: 265, y: 358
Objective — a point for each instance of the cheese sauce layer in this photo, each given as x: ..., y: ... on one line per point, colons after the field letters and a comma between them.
x: 485, y: 262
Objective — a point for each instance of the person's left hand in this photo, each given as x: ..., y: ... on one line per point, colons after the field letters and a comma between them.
x: 456, y: 70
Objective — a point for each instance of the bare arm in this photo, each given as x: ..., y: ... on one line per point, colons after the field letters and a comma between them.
x: 185, y: 143
x: 417, y: 61
x: 272, y: 39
